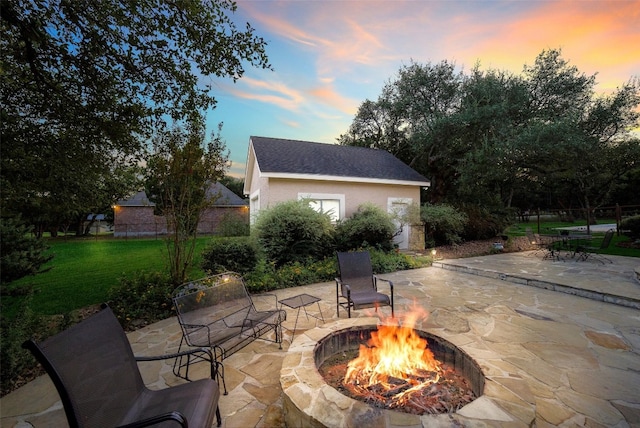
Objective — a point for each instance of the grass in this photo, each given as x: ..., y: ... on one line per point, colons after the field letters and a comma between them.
x: 83, y: 270
x: 549, y: 227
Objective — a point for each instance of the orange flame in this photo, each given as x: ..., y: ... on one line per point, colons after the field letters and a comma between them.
x: 393, y: 351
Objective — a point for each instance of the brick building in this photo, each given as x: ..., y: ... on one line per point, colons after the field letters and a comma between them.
x: 134, y: 217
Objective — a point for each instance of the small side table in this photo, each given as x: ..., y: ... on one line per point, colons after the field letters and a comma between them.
x: 301, y: 301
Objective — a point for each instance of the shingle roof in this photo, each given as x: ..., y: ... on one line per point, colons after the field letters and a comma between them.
x: 275, y: 155
x: 227, y: 198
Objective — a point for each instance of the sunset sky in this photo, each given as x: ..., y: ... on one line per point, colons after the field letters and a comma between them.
x: 330, y: 56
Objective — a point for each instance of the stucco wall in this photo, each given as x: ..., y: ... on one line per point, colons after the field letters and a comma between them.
x: 355, y: 193
x: 275, y: 190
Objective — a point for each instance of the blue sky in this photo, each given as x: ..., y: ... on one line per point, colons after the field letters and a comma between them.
x: 329, y: 56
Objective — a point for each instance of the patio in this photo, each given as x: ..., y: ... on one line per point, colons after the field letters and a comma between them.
x: 559, y: 343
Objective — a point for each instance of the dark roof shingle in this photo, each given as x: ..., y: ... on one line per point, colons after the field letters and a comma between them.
x: 275, y: 155
x: 225, y: 198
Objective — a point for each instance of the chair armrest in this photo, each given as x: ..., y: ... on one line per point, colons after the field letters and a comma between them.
x: 385, y: 280
x: 260, y: 296
x: 340, y: 284
x: 208, y: 356
x: 174, y: 355
x: 154, y: 420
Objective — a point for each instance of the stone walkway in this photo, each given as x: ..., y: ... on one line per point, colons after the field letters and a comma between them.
x: 560, y: 340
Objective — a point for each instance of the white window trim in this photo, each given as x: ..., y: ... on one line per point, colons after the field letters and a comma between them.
x: 333, y: 196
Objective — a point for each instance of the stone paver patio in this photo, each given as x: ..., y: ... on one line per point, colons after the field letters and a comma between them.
x: 559, y: 343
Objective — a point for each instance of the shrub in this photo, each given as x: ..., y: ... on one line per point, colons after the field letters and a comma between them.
x: 382, y: 262
x: 141, y: 299
x: 292, y: 231
x: 368, y: 227
x: 15, y: 360
x: 233, y: 224
x: 444, y: 224
x: 267, y: 277
x: 631, y: 226
x: 483, y: 224
x: 229, y: 254
x: 20, y: 254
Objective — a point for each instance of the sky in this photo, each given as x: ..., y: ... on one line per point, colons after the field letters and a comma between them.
x: 330, y: 56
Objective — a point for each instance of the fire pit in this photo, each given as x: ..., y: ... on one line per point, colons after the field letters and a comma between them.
x: 310, y: 401
x: 398, y: 367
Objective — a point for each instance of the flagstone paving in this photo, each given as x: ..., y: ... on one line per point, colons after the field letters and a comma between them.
x: 558, y: 341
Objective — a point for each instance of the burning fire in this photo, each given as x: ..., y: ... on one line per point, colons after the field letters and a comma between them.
x: 394, y: 364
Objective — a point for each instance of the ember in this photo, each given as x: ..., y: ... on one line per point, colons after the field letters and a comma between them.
x: 395, y: 369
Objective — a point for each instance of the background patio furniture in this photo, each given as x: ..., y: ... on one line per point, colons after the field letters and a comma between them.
x: 357, y: 286
x: 96, y: 374
x: 592, y: 251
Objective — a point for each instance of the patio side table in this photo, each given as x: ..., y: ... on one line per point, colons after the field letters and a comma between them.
x: 301, y: 301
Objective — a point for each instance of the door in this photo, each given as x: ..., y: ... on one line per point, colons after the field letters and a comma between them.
x: 397, y: 207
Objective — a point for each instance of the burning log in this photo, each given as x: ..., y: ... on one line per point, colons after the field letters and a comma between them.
x: 396, y: 370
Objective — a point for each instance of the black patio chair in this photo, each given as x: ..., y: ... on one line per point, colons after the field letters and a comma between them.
x: 357, y: 286
x: 97, y: 376
x: 593, y: 251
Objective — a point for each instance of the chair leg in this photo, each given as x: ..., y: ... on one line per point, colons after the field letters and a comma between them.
x: 218, y: 417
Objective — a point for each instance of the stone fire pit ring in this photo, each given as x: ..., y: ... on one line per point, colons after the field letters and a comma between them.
x: 308, y: 401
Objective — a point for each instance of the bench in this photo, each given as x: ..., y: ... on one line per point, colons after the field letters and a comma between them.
x: 217, y: 312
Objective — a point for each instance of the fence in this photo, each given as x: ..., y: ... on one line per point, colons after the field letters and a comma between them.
x: 614, y: 212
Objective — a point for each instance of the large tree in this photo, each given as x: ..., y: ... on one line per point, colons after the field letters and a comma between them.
x: 577, y: 143
x: 494, y: 139
x: 412, y: 120
x: 84, y: 84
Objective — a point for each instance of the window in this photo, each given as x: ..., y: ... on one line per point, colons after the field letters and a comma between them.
x: 329, y: 206
x: 332, y: 204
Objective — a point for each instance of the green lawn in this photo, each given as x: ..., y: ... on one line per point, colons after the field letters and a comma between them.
x: 83, y: 270
x: 549, y: 227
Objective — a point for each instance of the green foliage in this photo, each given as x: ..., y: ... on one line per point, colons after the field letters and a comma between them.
x: 21, y: 254
x: 292, y: 231
x: 483, y: 224
x: 268, y: 277
x: 494, y: 139
x: 632, y: 225
x: 179, y: 175
x: 230, y: 254
x: 86, y: 82
x: 141, y: 298
x: 15, y: 360
x: 236, y: 185
x: 444, y: 224
x: 368, y: 227
x: 233, y: 224
x: 383, y: 262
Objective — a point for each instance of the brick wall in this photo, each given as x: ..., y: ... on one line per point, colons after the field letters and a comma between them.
x: 137, y: 221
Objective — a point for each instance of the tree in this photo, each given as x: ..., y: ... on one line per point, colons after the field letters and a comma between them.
x: 85, y: 83
x: 236, y: 185
x: 491, y: 138
x: 576, y: 142
x: 20, y: 253
x: 179, y: 175
x: 494, y: 108
x: 411, y: 120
